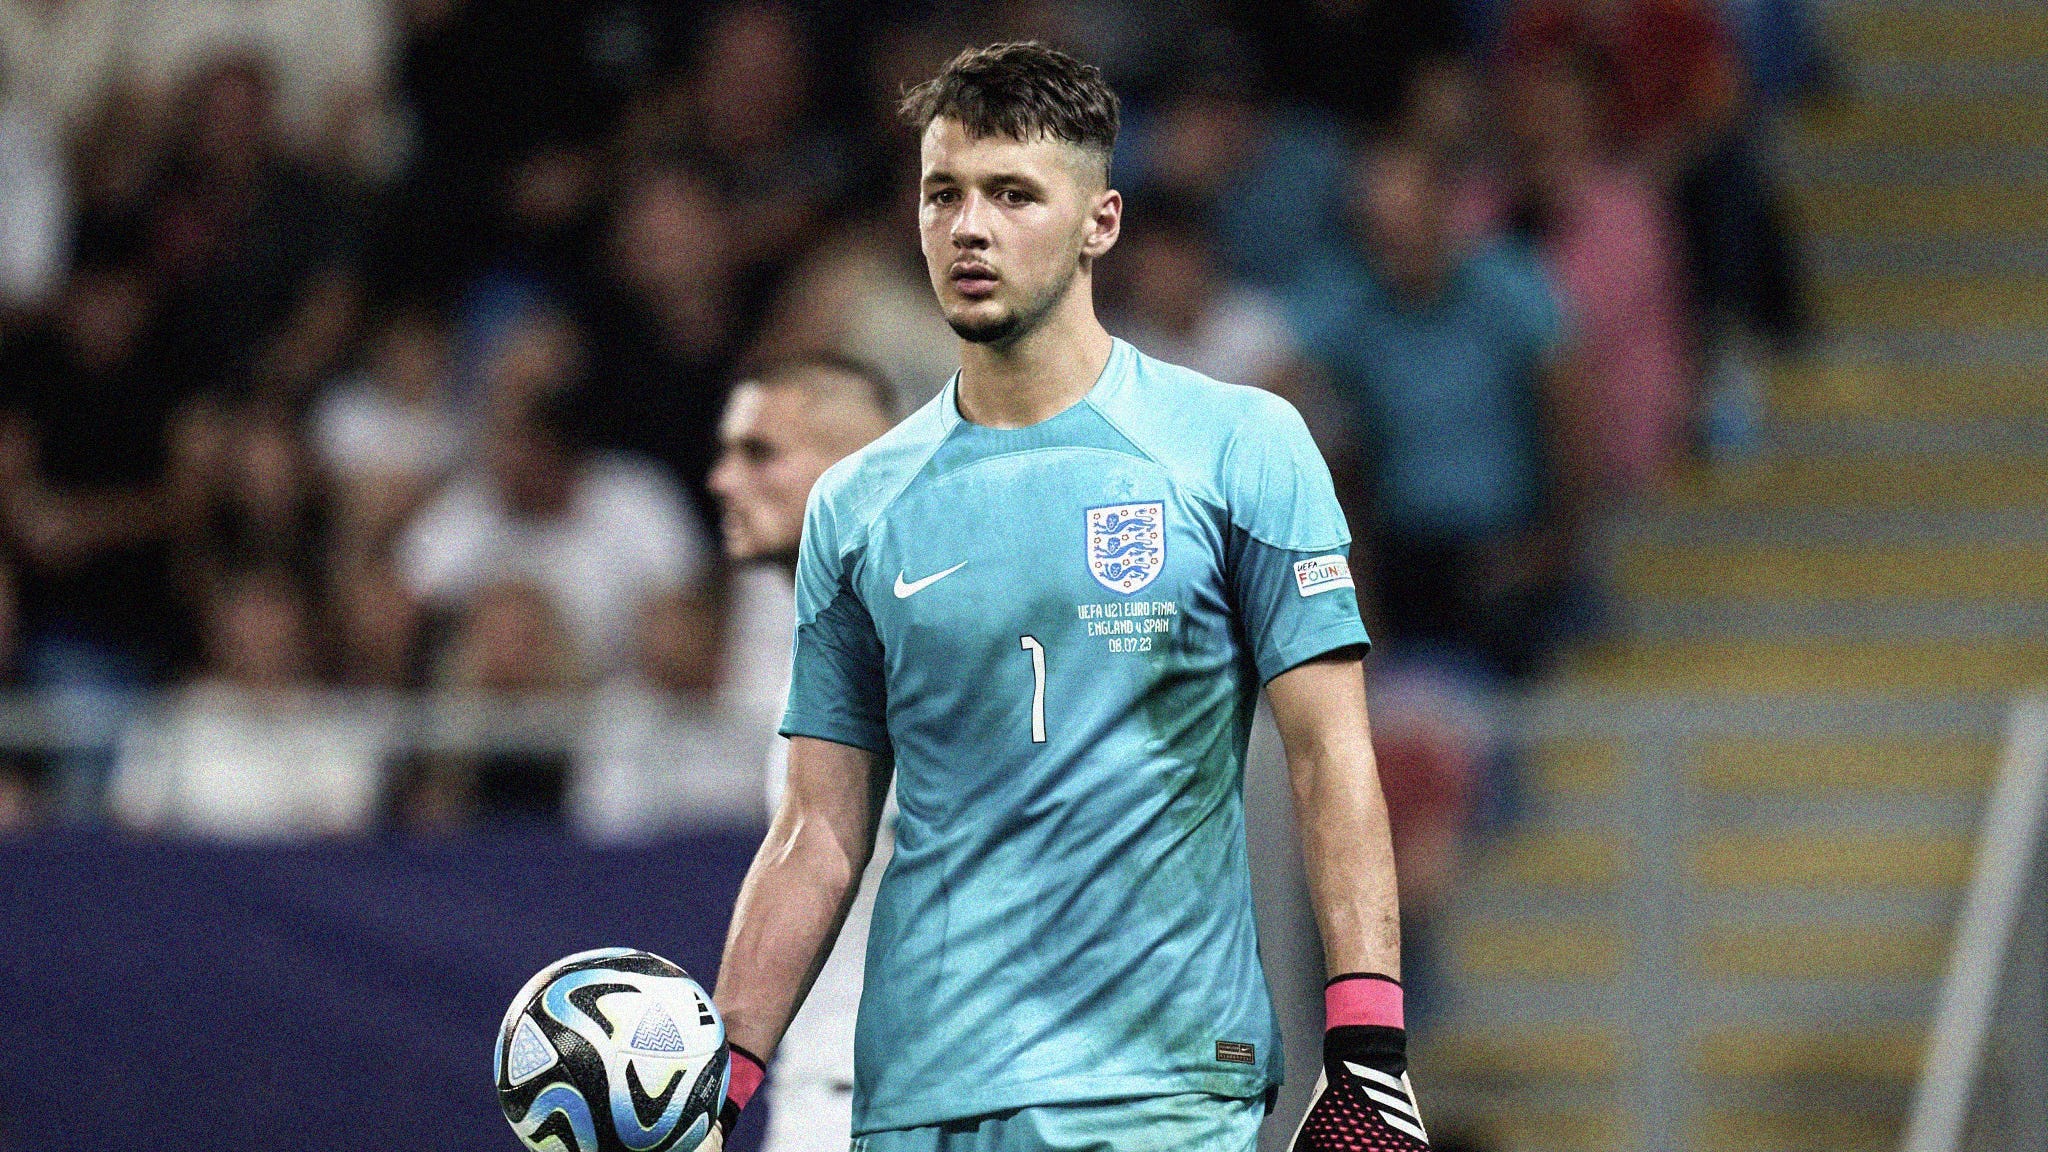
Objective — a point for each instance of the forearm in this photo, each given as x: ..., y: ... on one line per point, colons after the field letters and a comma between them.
x: 789, y: 912
x: 1348, y: 854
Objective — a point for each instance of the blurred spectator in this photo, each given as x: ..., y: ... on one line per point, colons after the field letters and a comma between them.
x: 387, y: 434
x: 379, y: 628
x: 250, y: 499
x: 1380, y: 44
x: 534, y: 353
x: 331, y: 60
x: 489, y: 84
x: 251, y: 751
x: 63, y: 57
x: 1784, y: 55
x: 1245, y: 165
x: 668, y: 746
x: 1673, y: 101
x: 667, y: 326
x: 1605, y: 235
x: 1178, y: 305
x: 597, y: 532
x: 510, y: 669
x: 1442, y: 357
x: 115, y: 157
x: 35, y: 201
x: 254, y: 249
x: 742, y: 117
x: 84, y: 468
x: 1672, y: 87
x: 863, y: 291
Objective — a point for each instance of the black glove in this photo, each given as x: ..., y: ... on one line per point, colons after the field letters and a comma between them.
x: 1362, y: 1101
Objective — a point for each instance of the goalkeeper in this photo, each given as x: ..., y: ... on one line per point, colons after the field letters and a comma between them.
x: 1043, y: 607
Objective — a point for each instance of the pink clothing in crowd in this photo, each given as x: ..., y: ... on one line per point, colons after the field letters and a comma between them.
x: 1616, y: 264
x: 1613, y: 258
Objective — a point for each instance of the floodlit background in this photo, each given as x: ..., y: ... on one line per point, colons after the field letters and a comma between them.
x: 365, y: 645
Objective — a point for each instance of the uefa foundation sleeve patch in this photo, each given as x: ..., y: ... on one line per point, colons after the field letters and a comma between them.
x: 1321, y: 574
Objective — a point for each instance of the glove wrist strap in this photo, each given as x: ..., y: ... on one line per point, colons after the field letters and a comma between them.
x: 1363, y: 999
x: 748, y: 1071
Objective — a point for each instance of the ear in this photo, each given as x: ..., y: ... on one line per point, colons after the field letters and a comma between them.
x: 1105, y: 224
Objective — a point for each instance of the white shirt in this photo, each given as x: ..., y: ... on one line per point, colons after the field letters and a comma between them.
x: 35, y: 205
x: 650, y: 763
x: 359, y: 430
x: 625, y: 535
x: 1243, y: 339
x: 323, y: 50
x: 221, y: 763
x: 64, y: 58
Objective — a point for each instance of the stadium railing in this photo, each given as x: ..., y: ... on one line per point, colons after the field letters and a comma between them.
x: 1984, y: 1083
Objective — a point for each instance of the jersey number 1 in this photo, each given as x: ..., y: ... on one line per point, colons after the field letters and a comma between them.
x: 1030, y: 644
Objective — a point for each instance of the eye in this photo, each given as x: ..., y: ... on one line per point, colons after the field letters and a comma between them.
x: 1014, y: 197
x: 943, y: 196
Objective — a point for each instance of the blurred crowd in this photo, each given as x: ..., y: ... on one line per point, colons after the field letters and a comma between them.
x: 380, y: 345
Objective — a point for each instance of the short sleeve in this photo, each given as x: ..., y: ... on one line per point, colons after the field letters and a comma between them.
x: 1290, y: 568
x: 836, y: 684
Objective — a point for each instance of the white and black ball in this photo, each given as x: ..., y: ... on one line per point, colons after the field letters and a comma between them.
x: 614, y: 1050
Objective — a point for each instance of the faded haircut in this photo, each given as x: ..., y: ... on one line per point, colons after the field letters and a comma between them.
x: 851, y: 402
x: 1024, y: 91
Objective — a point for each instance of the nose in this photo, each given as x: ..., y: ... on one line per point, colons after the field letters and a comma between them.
x: 723, y: 477
x: 970, y: 224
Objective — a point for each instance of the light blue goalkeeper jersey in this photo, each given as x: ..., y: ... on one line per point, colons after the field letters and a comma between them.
x: 1059, y: 633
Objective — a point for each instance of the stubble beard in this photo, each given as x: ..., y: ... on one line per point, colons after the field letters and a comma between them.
x: 1012, y: 326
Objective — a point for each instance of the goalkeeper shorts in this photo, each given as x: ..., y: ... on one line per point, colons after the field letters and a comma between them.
x: 1188, y: 1122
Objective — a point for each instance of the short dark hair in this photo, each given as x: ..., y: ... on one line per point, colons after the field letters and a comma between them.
x: 1023, y: 91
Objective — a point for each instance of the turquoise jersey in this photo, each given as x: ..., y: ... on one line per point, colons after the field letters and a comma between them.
x: 1058, y: 633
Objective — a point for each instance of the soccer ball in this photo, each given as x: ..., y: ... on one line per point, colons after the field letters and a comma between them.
x: 614, y: 1050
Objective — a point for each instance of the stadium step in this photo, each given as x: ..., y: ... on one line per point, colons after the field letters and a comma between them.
x: 1967, y: 571
x: 1982, y: 209
x: 1940, y: 34
x: 1956, y: 123
x: 1750, y: 667
x: 1749, y: 810
x: 1934, y: 302
x: 1754, y: 768
x: 1955, y: 481
x: 1822, y: 390
x: 1758, y: 1130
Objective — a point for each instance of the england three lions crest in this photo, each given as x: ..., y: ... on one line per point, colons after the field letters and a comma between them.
x: 1127, y: 545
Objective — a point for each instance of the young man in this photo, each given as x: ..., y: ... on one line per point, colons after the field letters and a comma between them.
x: 781, y: 430
x: 1044, y: 605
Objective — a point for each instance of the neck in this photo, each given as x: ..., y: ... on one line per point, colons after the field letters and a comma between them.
x: 1038, y: 375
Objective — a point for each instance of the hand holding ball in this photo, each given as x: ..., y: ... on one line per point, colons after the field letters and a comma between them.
x: 613, y: 1050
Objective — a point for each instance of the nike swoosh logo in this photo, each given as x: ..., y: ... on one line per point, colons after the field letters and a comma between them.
x: 905, y: 591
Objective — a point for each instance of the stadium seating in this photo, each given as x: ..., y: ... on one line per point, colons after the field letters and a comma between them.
x: 1750, y: 815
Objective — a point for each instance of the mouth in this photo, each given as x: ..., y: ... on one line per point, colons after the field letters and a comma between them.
x: 974, y: 281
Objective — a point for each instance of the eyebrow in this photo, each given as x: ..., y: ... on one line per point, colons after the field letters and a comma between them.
x: 941, y: 176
